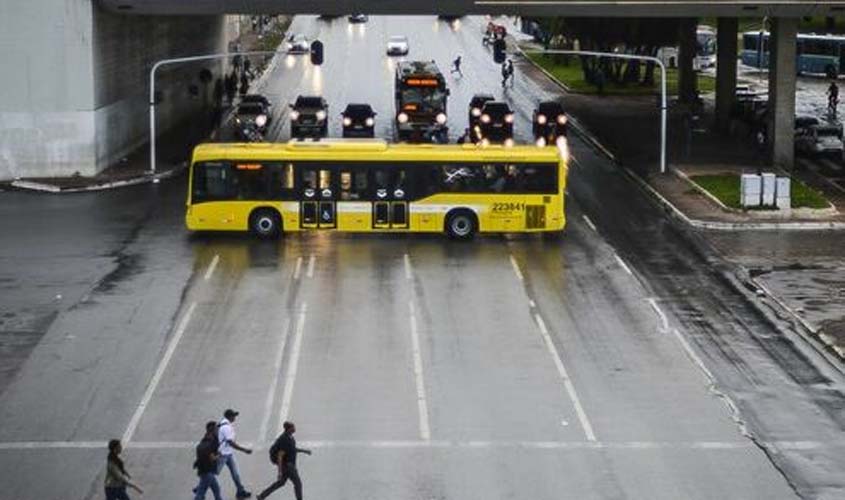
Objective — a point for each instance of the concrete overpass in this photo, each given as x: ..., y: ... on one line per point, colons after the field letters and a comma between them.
x: 74, y: 100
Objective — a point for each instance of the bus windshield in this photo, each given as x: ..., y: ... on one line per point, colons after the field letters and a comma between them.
x: 428, y: 99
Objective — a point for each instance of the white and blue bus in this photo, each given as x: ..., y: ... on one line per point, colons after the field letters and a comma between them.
x: 824, y: 54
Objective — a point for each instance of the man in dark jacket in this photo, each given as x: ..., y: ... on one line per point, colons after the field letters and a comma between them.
x: 285, y: 454
x: 206, y: 464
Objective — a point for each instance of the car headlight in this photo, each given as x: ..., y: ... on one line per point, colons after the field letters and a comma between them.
x: 347, y: 121
x: 541, y: 119
x: 476, y: 112
x: 441, y: 118
x: 261, y: 120
x: 290, y: 46
x: 485, y: 118
x: 321, y: 115
x: 238, y: 121
x: 402, y: 117
x: 485, y: 142
x: 369, y: 122
x: 294, y: 115
x: 509, y: 142
x: 561, y: 119
x: 541, y: 142
x: 509, y: 118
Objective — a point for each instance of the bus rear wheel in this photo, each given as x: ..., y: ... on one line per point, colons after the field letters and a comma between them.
x: 265, y: 223
x: 461, y: 225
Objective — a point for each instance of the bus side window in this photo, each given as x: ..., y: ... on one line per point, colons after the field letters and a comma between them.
x: 212, y: 182
x: 537, y: 178
x: 309, y: 179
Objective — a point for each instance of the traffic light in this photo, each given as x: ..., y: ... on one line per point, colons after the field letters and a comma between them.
x: 316, y: 52
x: 499, y: 51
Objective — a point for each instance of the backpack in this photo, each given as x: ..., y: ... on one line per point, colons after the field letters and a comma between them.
x: 274, y: 451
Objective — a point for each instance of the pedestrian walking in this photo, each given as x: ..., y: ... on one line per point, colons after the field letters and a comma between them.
x: 244, y: 84
x: 456, y: 66
x: 206, y: 463
x: 231, y: 84
x: 832, y: 99
x: 117, y: 479
x: 227, y: 447
x: 247, y: 66
x: 510, y: 71
x: 504, y: 74
x: 283, y: 455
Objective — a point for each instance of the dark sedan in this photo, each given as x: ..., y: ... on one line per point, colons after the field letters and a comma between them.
x: 475, y: 104
x: 496, y: 122
x: 359, y: 120
x: 309, y: 117
x: 549, y: 123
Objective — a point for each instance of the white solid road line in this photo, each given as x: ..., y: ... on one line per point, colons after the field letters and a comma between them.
x: 516, y: 269
x: 310, y: 272
x: 298, y: 269
x: 162, y: 365
x: 293, y: 364
x: 271, y: 393
x: 409, y: 275
x: 212, y: 267
x: 664, y: 322
x: 589, y: 223
x: 623, y: 264
x: 567, y: 382
x: 422, y: 403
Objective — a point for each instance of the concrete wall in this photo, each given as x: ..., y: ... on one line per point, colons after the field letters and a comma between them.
x: 76, y: 89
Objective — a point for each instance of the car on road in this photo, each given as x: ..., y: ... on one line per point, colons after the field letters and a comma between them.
x: 475, y: 104
x: 397, y: 45
x: 358, y: 18
x: 548, y: 123
x: 814, y: 137
x: 309, y: 117
x: 496, y: 122
x: 298, y: 44
x: 359, y: 120
x: 250, y: 119
x: 262, y: 100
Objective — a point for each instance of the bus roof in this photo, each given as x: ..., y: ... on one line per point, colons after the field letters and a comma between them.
x: 802, y: 36
x: 372, y: 150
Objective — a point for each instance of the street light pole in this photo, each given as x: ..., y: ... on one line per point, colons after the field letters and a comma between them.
x: 663, y: 106
x: 177, y: 60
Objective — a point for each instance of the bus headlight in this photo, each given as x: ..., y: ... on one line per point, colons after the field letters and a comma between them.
x: 347, y: 121
x: 485, y: 118
x: 509, y: 143
x: 441, y: 118
x: 476, y: 112
x: 369, y: 122
x: 541, y: 119
x: 261, y: 120
x: 561, y: 119
x: 402, y: 118
x: 541, y: 142
x: 294, y: 115
x: 509, y: 118
x: 321, y: 115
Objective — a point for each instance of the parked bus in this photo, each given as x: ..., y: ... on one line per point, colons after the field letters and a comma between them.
x: 705, y: 50
x: 823, y: 54
x: 373, y: 186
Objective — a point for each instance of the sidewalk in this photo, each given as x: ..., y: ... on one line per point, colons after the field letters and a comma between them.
x: 800, y: 274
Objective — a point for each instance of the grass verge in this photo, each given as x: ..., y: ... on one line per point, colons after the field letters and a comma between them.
x: 725, y: 187
x: 571, y: 75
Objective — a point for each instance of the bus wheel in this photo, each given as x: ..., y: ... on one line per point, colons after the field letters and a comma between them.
x: 461, y: 224
x: 830, y: 71
x: 265, y: 223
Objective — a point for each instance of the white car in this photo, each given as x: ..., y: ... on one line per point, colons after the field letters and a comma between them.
x: 397, y: 45
x: 298, y: 44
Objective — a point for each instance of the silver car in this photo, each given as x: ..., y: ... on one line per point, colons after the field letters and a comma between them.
x: 298, y: 44
x: 397, y: 45
x: 816, y: 138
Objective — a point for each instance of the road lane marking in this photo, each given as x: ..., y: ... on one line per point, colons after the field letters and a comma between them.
x: 293, y: 364
x: 567, y: 382
x: 516, y: 269
x: 162, y: 365
x: 664, y: 322
x: 271, y: 393
x: 310, y: 272
x: 422, y: 404
x: 589, y: 223
x: 409, y: 275
x: 298, y: 269
x: 212, y: 267
x: 623, y: 264
x: 686, y: 346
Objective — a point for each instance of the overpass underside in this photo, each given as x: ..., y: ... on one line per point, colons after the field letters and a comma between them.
x: 582, y: 8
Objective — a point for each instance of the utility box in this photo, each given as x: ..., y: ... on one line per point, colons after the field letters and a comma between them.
x: 783, y: 198
x: 769, y: 190
x: 750, y: 190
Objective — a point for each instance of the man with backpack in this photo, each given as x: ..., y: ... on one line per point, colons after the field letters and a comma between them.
x: 283, y: 455
x: 206, y: 464
x: 228, y: 445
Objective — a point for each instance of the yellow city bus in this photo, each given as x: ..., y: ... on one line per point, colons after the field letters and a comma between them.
x: 373, y: 186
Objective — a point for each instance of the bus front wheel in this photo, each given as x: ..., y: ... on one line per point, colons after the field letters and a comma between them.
x: 265, y: 223
x: 461, y: 224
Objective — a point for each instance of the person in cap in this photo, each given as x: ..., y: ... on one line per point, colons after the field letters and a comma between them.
x: 228, y: 445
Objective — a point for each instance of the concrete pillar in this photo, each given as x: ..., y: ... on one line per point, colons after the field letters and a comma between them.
x: 782, y: 78
x: 687, y: 83
x: 726, y: 42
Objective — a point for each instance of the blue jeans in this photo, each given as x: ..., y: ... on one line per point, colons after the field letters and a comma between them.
x: 117, y: 493
x: 229, y: 461
x: 208, y: 480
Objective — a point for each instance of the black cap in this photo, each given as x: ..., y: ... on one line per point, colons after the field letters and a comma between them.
x: 230, y: 413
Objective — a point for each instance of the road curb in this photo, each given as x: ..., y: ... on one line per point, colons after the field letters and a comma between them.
x: 42, y: 187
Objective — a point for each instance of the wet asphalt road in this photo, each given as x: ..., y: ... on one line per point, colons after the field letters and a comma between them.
x: 615, y: 363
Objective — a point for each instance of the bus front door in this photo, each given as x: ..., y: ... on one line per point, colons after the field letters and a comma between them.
x: 390, y: 208
x: 318, y: 201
